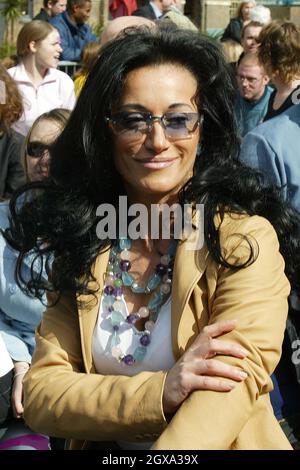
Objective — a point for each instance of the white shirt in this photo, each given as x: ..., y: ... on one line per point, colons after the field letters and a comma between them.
x: 6, y: 364
x: 159, y: 352
x: 55, y: 91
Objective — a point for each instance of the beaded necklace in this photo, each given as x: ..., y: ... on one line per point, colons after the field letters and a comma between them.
x: 117, y: 276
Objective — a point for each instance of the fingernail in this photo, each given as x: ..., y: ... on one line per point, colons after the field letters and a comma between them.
x: 242, y: 374
x: 231, y: 385
x: 244, y: 352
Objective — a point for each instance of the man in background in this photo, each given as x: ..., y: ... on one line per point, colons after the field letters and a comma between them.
x: 154, y: 10
x: 50, y: 9
x: 251, y: 104
x: 73, y: 30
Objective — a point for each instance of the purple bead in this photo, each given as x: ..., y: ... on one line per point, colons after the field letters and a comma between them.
x: 118, y: 291
x: 118, y: 275
x: 108, y: 290
x: 161, y: 269
x: 129, y: 360
x: 132, y: 318
x: 125, y: 265
x: 145, y: 340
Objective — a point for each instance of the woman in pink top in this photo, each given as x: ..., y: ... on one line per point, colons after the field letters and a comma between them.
x: 42, y: 86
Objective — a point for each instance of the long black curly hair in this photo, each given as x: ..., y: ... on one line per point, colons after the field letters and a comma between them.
x: 59, y: 220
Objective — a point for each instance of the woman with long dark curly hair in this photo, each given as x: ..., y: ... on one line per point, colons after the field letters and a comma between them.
x: 144, y: 331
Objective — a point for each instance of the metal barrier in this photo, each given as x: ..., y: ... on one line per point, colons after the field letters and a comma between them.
x: 68, y: 67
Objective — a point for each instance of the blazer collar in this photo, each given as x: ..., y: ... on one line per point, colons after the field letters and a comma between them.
x: 188, y: 269
x: 89, y: 311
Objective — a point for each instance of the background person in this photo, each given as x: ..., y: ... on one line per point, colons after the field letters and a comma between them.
x: 234, y: 29
x: 50, y: 9
x: 6, y: 379
x: 11, y: 108
x: 261, y: 14
x: 273, y: 148
x: 175, y: 13
x: 41, y: 85
x: 154, y: 10
x: 19, y: 314
x: 89, y: 56
x: 279, y: 51
x: 253, y: 96
x: 74, y: 31
x: 250, y: 34
x: 114, y: 27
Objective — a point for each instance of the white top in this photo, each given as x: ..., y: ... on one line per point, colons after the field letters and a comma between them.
x: 55, y: 91
x: 6, y: 364
x: 159, y: 352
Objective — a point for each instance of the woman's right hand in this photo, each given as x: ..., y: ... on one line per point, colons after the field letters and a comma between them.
x: 197, y: 370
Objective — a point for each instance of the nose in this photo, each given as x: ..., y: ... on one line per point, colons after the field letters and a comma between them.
x: 156, y: 138
x: 44, y: 160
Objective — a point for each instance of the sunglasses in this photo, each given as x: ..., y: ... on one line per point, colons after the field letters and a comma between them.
x: 134, y: 125
x: 36, y: 149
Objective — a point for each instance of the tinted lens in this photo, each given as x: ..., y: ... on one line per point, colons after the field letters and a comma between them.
x: 180, y: 125
x: 36, y: 149
x: 130, y: 122
x: 133, y: 125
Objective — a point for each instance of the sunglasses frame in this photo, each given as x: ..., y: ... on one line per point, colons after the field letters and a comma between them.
x: 150, y: 119
x: 43, y: 148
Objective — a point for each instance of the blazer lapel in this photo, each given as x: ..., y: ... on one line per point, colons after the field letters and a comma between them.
x: 188, y: 269
x: 88, y: 313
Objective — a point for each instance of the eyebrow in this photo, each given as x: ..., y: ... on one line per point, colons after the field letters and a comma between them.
x: 142, y: 108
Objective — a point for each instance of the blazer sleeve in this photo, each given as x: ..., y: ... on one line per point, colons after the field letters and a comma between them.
x: 61, y: 400
x: 257, y: 297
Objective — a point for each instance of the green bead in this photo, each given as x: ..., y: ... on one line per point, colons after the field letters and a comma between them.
x: 116, y: 318
x: 127, y: 279
x: 108, y: 300
x: 139, y: 353
x: 154, y: 282
x: 116, y: 269
x: 156, y: 301
x: 115, y: 340
x: 124, y: 244
x: 118, y: 283
x: 137, y: 290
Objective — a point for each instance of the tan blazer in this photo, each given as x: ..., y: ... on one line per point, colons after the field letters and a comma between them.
x: 65, y: 397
